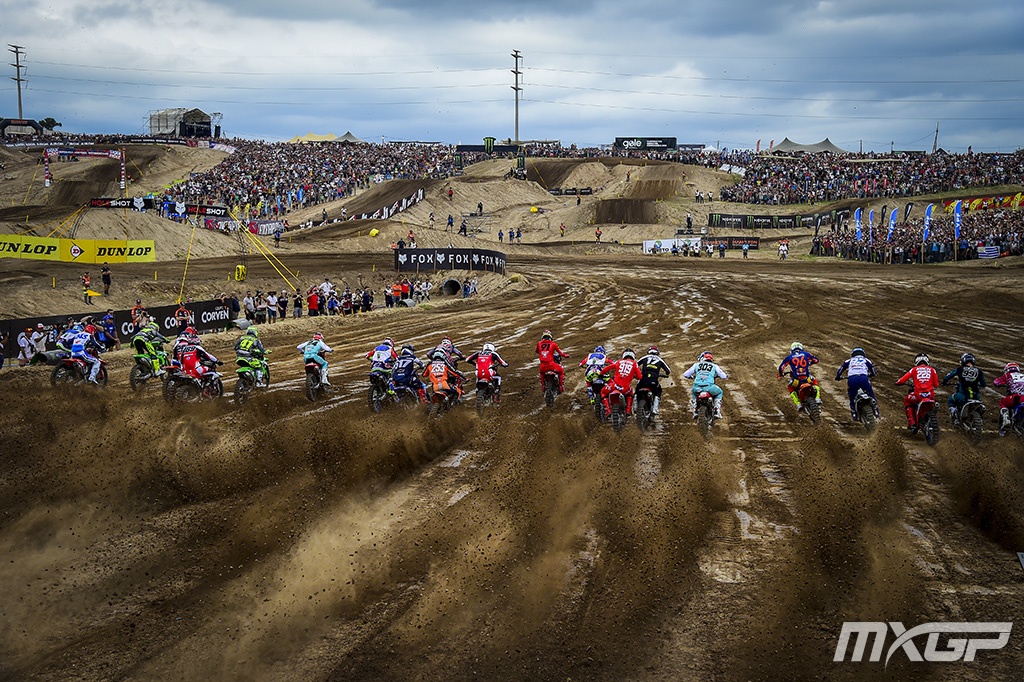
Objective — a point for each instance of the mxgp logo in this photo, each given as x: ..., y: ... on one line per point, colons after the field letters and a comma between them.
x: 957, y: 648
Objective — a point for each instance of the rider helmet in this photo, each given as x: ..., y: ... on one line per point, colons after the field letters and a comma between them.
x: 488, y: 347
x: 857, y: 351
x: 966, y: 358
x: 795, y: 346
x: 921, y: 359
x: 546, y: 334
x: 388, y: 341
x: 191, y: 331
x: 1011, y: 368
x: 408, y: 351
x: 628, y: 353
x: 438, y: 355
x: 653, y: 350
x: 89, y: 328
x: 706, y: 355
x: 318, y: 337
x: 599, y: 349
x: 153, y: 326
x: 253, y: 331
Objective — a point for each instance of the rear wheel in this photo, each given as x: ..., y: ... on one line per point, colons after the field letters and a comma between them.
x: 101, y: 376
x: 867, y: 416
x: 599, y: 409
x: 931, y: 429
x: 137, y: 377
x: 643, y: 413
x: 188, y: 392
x: 813, y: 410
x: 705, y: 418
x: 61, y: 374
x: 550, y: 391
x: 244, y: 387
x: 618, y: 418
x: 977, y: 426
x: 483, y: 397
x: 312, y: 387
x: 375, y: 397
x: 170, y: 390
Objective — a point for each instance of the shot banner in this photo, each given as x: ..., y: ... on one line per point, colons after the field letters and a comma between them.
x: 205, y: 316
x: 771, y: 222
x: 432, y: 260
x: 78, y: 250
x: 134, y: 203
x: 641, y: 143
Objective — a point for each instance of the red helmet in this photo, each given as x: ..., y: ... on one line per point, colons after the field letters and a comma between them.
x: 90, y: 328
x: 708, y: 356
x: 318, y: 337
x: 653, y: 350
x: 1011, y: 368
x: 191, y: 331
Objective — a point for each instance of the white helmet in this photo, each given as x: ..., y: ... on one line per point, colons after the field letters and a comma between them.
x: 488, y: 347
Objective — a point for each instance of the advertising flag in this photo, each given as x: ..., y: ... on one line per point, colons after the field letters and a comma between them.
x: 892, y: 223
x: 958, y: 216
x: 906, y: 212
x: 857, y: 222
x: 927, y: 221
x: 871, y: 225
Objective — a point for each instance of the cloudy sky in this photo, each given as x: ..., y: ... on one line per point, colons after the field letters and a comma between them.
x: 875, y: 74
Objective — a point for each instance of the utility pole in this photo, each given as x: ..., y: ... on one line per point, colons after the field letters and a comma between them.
x: 518, y: 75
x: 17, y: 50
x: 935, y: 144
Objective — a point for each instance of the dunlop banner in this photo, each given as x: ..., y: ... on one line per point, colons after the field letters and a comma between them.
x: 77, y: 250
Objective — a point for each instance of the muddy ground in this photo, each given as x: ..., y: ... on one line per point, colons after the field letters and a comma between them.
x: 290, y: 541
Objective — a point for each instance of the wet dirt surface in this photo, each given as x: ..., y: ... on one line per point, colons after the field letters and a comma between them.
x: 297, y: 541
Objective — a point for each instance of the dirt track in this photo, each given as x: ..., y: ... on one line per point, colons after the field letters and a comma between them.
x: 287, y: 541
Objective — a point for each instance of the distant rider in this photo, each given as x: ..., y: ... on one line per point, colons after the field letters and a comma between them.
x: 550, y: 359
x: 311, y: 350
x: 859, y: 370
x: 651, y: 368
x: 969, y: 383
x: 799, y: 363
x: 452, y: 355
x: 148, y: 341
x: 382, y: 358
x: 487, y: 362
x: 404, y: 372
x: 249, y: 347
x: 924, y: 381
x: 1013, y: 380
x: 85, y: 347
x: 592, y: 366
x: 624, y: 372
x: 704, y: 372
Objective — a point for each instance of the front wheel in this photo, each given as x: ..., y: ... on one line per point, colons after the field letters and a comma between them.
x: 137, y: 377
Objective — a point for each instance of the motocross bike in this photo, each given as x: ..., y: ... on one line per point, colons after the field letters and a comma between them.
x: 643, y: 407
x: 377, y: 394
x: 927, y: 420
x: 314, y: 385
x: 619, y: 414
x: 865, y: 406
x: 595, y: 384
x: 1016, y: 421
x: 971, y: 419
x: 76, y: 371
x: 550, y: 387
x: 806, y: 392
x: 705, y: 413
x: 146, y: 366
x: 248, y: 369
x: 485, y: 395
x: 440, y: 402
x: 190, y: 389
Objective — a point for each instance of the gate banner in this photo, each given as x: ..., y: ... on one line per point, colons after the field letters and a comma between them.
x: 205, y: 316
x: 665, y: 245
x: 433, y: 260
x: 772, y: 222
x: 134, y: 203
x: 78, y: 250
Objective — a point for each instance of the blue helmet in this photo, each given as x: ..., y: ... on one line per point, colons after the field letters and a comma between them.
x: 599, y: 349
x: 857, y: 351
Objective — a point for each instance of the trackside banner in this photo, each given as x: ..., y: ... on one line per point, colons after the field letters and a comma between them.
x: 772, y: 222
x: 77, y: 250
x: 449, y: 259
x: 205, y: 316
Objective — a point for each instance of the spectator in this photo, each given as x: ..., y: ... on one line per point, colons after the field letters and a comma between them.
x: 296, y: 304
x: 138, y: 314
x: 24, y: 347
x: 105, y: 276
x: 249, y: 305
x: 271, y: 307
x: 38, y: 339
x: 182, y: 316
x: 86, y: 283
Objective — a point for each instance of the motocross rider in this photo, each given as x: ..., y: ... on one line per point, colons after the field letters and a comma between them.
x: 799, y: 362
x: 592, y: 366
x: 969, y: 383
x: 84, y: 342
x: 550, y: 359
x: 311, y: 350
x: 1013, y: 379
x: 403, y: 372
x: 924, y: 381
x: 249, y: 347
x: 194, y: 359
x: 486, y: 362
x: 704, y: 372
x: 382, y: 358
x: 623, y: 371
x: 442, y: 377
x: 860, y: 370
x: 651, y: 367
x: 147, y: 341
x: 452, y: 355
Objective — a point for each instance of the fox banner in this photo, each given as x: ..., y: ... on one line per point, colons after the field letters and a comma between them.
x: 432, y: 260
x: 78, y: 250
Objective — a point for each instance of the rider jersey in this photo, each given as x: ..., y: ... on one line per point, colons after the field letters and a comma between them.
x: 924, y: 377
x: 858, y: 365
x: 970, y: 380
x: 623, y: 373
x: 249, y: 346
x: 310, y: 349
x: 404, y: 369
x: 549, y: 352
x: 704, y: 373
x: 651, y: 367
x: 1014, y: 382
x: 799, y: 362
x: 82, y: 341
x: 382, y: 357
x: 439, y: 375
x: 486, y: 364
x: 594, y: 362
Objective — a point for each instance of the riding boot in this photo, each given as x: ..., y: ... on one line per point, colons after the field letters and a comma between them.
x: 874, y: 406
x: 718, y: 407
x: 911, y: 421
x: 954, y: 415
x: 497, y: 394
x: 323, y: 377
x: 422, y: 393
x: 1004, y: 420
x: 657, y: 403
x: 693, y: 405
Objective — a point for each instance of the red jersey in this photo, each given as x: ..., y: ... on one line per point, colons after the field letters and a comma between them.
x: 924, y: 378
x: 485, y: 364
x: 625, y: 372
x: 549, y: 352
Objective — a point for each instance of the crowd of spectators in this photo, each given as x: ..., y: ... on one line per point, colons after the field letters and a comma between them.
x: 816, y: 178
x: 1002, y: 228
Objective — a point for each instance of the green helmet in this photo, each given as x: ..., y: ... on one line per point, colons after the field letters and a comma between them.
x: 153, y: 326
x: 252, y: 331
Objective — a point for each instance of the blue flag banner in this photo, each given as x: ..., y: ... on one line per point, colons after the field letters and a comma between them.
x: 856, y: 221
x: 892, y: 223
x: 871, y: 225
x: 958, y: 216
x: 927, y: 221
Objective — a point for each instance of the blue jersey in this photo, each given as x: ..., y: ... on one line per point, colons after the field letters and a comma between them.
x: 799, y: 363
x: 857, y: 366
x: 704, y: 373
